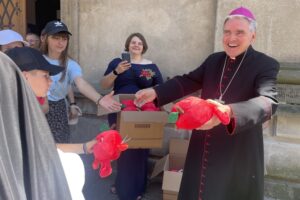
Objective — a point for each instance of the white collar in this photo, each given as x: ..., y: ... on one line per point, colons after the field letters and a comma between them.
x: 143, y: 62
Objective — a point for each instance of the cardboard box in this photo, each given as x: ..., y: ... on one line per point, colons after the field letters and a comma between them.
x: 170, y: 165
x: 167, y: 195
x: 145, y: 128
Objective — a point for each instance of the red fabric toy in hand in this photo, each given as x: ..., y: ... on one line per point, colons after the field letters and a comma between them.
x: 197, y: 112
x: 108, y: 148
x: 150, y: 106
x: 129, y: 105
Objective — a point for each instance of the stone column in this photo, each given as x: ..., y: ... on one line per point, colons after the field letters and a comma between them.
x: 70, y: 16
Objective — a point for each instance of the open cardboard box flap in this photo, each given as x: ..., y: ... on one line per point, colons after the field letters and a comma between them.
x: 174, y: 160
x: 178, y: 147
x: 169, y: 195
x: 171, y: 181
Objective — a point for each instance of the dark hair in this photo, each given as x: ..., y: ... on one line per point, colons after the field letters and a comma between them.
x: 141, y: 37
x: 32, y: 33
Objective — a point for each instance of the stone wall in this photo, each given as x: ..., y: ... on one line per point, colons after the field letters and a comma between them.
x: 180, y: 35
x: 282, y: 154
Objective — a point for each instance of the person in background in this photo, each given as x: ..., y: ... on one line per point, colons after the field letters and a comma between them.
x: 55, y: 49
x: 73, y: 110
x: 128, y: 78
x: 33, y: 39
x: 227, y: 162
x: 30, y: 166
x: 10, y: 39
x: 37, y: 71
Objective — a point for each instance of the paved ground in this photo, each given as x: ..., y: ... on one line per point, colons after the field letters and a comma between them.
x: 97, y: 188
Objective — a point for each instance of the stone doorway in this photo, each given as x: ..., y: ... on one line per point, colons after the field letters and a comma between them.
x: 28, y: 15
x: 39, y: 12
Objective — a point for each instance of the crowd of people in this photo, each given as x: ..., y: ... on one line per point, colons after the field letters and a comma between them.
x: 224, y: 162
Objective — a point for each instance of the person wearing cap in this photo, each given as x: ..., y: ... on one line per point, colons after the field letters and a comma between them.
x: 74, y: 111
x: 10, y: 39
x: 226, y: 162
x: 37, y: 71
x: 55, y: 49
x: 30, y: 166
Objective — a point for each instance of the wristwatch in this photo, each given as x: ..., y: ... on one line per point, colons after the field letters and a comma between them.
x: 115, y: 72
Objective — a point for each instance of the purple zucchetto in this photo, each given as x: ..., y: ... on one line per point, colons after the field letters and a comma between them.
x: 243, y: 12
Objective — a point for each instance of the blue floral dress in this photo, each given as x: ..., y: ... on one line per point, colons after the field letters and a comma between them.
x: 132, y: 169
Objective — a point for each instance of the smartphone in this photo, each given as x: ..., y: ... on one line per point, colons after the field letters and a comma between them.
x: 126, y: 56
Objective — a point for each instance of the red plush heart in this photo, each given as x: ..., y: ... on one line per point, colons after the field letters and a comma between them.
x: 150, y: 106
x: 108, y: 148
x: 197, y: 112
x: 129, y: 105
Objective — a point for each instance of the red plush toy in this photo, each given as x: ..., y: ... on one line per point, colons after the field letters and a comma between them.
x: 197, y: 112
x: 108, y: 147
x: 130, y: 106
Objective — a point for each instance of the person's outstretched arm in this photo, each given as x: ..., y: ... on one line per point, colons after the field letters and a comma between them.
x: 87, y: 90
x: 80, y: 148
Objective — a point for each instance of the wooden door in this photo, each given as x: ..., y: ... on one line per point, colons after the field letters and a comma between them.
x: 13, y: 15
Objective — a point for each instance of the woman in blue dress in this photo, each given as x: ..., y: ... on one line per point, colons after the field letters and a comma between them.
x: 128, y: 78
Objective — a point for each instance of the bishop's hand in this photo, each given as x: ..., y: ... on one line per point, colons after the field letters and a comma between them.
x: 144, y: 96
x: 215, y: 121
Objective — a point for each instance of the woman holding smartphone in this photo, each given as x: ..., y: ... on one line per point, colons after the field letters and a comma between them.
x: 128, y: 78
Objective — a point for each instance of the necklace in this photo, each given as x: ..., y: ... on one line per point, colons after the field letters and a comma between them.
x: 220, y: 88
